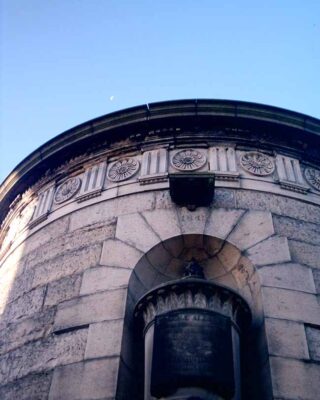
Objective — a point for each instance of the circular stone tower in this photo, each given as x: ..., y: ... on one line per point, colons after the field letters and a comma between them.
x: 167, y: 251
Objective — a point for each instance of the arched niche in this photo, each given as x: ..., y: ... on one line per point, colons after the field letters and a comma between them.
x: 223, y: 264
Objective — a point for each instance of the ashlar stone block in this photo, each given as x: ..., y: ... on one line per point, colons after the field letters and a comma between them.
x: 31, y: 387
x: 286, y: 338
x: 63, y: 289
x: 273, y: 250
x: 104, y: 278
x: 67, y: 264
x: 104, y: 339
x: 288, y: 276
x: 305, y: 253
x: 88, y: 309
x: 43, y: 355
x: 291, y: 305
x: 253, y: 227
x: 96, y: 379
x: 293, y: 379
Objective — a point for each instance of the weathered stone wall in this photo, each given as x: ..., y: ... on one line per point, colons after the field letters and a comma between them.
x: 64, y: 288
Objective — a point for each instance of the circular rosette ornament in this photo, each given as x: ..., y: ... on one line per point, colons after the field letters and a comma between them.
x: 67, y: 190
x: 313, y: 177
x: 257, y: 163
x: 123, y: 169
x: 188, y: 160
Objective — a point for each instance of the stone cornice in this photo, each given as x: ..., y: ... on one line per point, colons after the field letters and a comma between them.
x: 133, y: 124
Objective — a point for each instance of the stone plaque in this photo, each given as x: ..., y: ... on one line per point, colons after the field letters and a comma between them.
x: 192, y: 347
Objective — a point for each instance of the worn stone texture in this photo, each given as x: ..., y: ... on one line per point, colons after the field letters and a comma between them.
x: 16, y: 334
x: 93, y: 308
x: 67, y: 264
x: 297, y: 230
x: 288, y: 276
x: 107, y: 210
x: 286, y: 338
x: 63, y: 289
x: 290, y: 304
x: 104, y: 339
x: 305, y: 253
x: 90, y: 380
x: 316, y: 277
x: 31, y: 387
x: 119, y: 254
x: 46, y: 234
x: 293, y: 379
x: 26, y: 305
x: 43, y: 355
x: 104, y: 278
x: 253, y: 227
x: 280, y: 205
x: 313, y: 338
x: 70, y: 242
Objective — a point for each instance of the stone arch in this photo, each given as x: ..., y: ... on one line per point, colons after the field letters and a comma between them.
x: 224, y: 264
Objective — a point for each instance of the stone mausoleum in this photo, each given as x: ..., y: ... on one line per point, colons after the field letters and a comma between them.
x: 166, y: 251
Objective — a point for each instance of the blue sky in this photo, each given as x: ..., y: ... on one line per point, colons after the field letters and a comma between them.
x: 66, y: 61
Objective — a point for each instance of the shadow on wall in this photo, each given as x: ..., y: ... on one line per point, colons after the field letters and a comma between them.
x: 223, y: 264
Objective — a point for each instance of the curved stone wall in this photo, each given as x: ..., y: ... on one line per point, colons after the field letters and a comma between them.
x: 89, y: 237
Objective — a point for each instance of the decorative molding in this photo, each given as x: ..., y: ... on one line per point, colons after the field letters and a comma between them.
x: 123, y: 169
x: 188, y: 160
x: 313, y: 177
x: 67, y: 190
x: 290, y: 175
x: 222, y: 161
x: 154, y: 166
x: 257, y: 163
x: 43, y: 206
x: 92, y: 182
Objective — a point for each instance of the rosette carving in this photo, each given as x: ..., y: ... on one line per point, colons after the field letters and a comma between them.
x: 257, y: 163
x: 67, y: 190
x: 313, y: 177
x: 188, y: 160
x: 123, y: 169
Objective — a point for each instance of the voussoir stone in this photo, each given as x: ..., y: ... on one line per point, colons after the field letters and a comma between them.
x: 221, y: 222
x: 116, y: 253
x: 134, y: 230
x: 253, y: 227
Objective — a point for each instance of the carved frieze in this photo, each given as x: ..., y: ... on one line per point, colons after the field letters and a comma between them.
x: 188, y: 160
x: 67, y: 190
x: 43, y: 206
x: 290, y: 175
x: 123, y: 169
x: 257, y: 163
x: 93, y: 181
x: 154, y: 166
x: 313, y: 177
x: 222, y: 161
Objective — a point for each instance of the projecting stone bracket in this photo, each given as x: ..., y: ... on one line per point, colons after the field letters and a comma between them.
x: 192, y: 190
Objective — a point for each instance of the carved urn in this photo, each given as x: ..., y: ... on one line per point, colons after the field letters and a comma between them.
x: 191, y: 330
